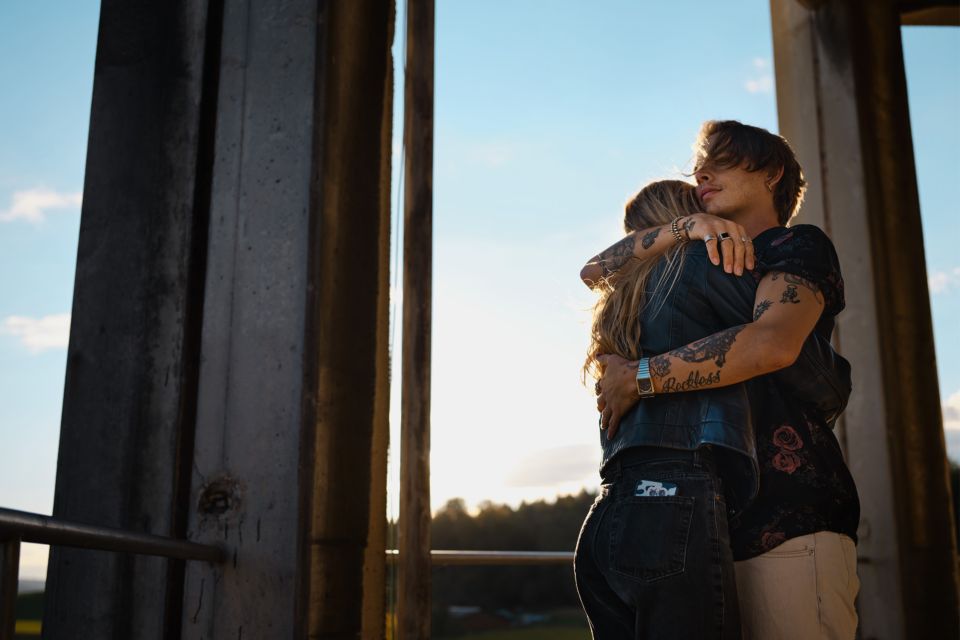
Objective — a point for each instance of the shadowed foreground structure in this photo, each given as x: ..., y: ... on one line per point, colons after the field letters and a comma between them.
x: 227, y: 369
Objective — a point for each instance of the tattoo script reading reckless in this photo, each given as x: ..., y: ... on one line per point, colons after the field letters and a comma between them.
x: 694, y: 381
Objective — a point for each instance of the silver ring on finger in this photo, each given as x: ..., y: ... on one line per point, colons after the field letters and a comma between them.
x: 745, y: 240
x: 708, y: 238
x: 725, y: 236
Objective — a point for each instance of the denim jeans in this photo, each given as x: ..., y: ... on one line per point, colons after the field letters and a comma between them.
x: 658, y: 566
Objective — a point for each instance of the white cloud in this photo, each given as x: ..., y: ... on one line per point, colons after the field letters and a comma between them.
x: 943, y: 281
x: 32, y: 205
x: 762, y: 84
x: 39, y: 334
x: 951, y: 412
x: 951, y: 425
x: 762, y: 79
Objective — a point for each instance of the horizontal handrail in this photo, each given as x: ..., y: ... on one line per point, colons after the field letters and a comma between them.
x: 33, y: 527
x: 445, y: 557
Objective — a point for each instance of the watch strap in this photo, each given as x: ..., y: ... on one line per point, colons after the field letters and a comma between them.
x: 644, y: 381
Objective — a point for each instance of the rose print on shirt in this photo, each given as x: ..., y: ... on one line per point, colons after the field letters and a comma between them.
x: 786, y: 438
x: 786, y: 461
x: 771, y: 539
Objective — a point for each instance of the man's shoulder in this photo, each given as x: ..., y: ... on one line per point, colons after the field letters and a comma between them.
x: 802, y: 240
x: 794, y: 235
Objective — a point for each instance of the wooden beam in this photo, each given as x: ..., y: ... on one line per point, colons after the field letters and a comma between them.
x: 932, y: 17
x: 413, y: 607
x: 343, y: 496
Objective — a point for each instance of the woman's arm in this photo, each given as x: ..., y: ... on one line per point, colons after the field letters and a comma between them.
x: 787, y: 309
x: 654, y: 242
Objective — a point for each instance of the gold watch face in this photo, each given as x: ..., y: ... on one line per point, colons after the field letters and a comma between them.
x: 645, y: 385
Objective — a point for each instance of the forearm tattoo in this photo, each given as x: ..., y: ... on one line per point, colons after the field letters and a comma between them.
x: 694, y: 381
x: 650, y: 238
x: 762, y: 307
x: 713, y: 347
x: 660, y: 366
x: 611, y: 259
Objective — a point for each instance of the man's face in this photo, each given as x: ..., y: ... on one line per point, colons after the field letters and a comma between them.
x: 728, y: 191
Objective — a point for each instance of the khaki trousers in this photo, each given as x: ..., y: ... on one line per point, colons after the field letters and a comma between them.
x: 803, y: 589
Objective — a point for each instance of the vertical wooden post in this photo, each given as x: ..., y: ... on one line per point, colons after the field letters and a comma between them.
x: 413, y: 606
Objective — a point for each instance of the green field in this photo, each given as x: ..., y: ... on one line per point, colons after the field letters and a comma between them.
x: 29, y: 614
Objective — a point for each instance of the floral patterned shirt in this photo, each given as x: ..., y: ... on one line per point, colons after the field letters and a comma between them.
x: 805, y: 485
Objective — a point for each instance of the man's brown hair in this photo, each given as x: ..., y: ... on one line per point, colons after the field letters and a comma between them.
x: 728, y: 143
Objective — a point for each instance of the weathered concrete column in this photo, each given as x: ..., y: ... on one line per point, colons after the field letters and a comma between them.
x: 130, y: 381
x: 294, y: 324
x: 227, y: 377
x: 842, y: 102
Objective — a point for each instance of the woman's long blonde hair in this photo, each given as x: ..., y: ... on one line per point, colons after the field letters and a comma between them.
x: 616, y: 314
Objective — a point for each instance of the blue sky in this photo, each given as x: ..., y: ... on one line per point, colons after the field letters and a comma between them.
x: 549, y: 115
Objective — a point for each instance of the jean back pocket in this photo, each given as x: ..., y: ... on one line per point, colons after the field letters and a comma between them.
x: 648, y: 536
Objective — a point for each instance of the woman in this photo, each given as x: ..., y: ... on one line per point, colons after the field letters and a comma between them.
x: 653, y: 558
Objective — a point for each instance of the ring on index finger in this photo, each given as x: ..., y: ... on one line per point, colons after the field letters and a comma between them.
x: 709, y: 237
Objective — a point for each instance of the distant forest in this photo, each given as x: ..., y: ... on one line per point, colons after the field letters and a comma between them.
x: 537, y: 526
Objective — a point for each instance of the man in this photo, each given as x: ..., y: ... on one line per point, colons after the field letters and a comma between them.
x: 794, y: 544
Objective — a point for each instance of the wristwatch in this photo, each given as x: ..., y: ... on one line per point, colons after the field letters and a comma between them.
x: 644, y: 382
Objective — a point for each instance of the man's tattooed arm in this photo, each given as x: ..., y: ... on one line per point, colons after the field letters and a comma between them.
x: 713, y: 347
x: 762, y: 307
x: 789, y: 295
x: 696, y: 365
x: 771, y: 342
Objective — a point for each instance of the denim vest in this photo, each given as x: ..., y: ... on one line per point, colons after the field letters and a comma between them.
x: 703, y: 301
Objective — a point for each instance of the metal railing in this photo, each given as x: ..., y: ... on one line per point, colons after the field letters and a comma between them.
x: 440, y: 558
x: 17, y: 527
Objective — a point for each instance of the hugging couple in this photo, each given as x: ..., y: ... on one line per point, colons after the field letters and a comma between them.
x: 726, y: 509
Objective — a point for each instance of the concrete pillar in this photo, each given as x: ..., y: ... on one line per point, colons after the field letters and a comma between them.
x: 227, y: 368
x: 130, y: 378
x: 842, y: 103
